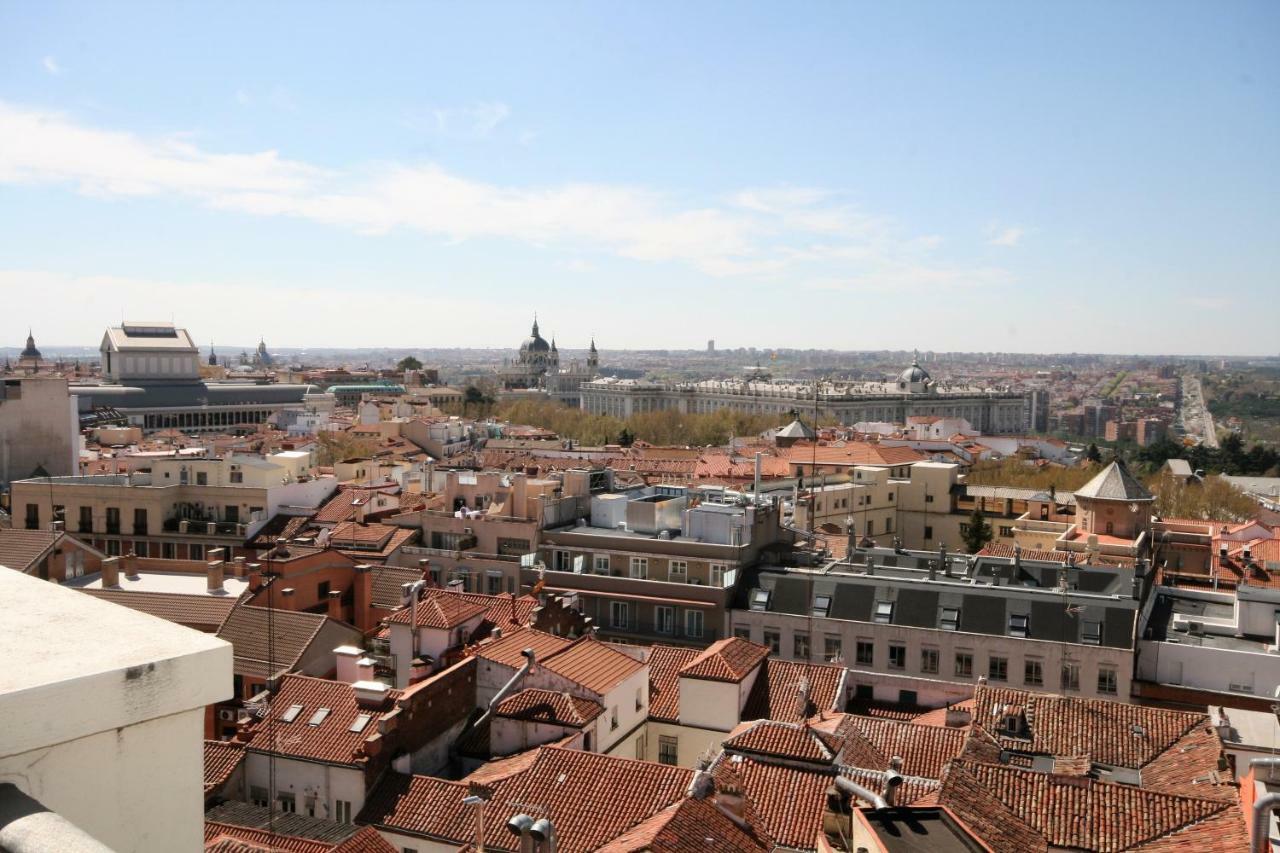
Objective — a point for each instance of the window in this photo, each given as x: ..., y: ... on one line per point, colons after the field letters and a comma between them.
x: 362, y: 720
x: 771, y: 639
x: 291, y: 714
x: 342, y: 811
x: 1106, y: 681
x: 168, y: 550
x: 800, y: 645
x: 602, y: 564
x: 322, y: 591
x: 897, y: 657
x: 318, y: 717
x: 1018, y: 624
x: 237, y: 477
x: 640, y: 567
x: 287, y: 802
x: 717, y: 575
x: 510, y: 547
x: 197, y: 552
x: 86, y: 519
x: 113, y: 519
x: 929, y: 661
x: 493, y: 583
x: 678, y: 571
x: 884, y: 612
x: 759, y: 599
x: 202, y: 478
x: 1006, y: 530
x: 949, y: 619
x: 1091, y: 633
x: 1033, y: 673
x: 831, y: 648
x: 742, y: 632
x: 258, y: 796
x: 613, y: 718
x: 964, y: 665
x: 928, y: 532
x: 998, y: 668
x: 639, y: 699
x: 33, y: 516
x: 864, y: 652
x: 1071, y: 676
x: 139, y: 521
x: 664, y: 620
x: 562, y: 561
x: 618, y: 615
x: 821, y: 605
x: 668, y: 750
x: 928, y: 499
x: 693, y: 623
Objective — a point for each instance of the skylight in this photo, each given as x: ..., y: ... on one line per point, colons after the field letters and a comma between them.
x: 1018, y: 624
x: 291, y: 714
x: 950, y: 620
x: 884, y: 612
x: 1091, y: 634
x: 821, y: 605
x: 360, y: 723
x: 759, y: 599
x: 318, y: 717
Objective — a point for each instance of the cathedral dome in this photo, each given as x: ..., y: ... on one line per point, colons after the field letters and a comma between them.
x: 914, y: 374
x: 535, y: 341
x: 30, y: 353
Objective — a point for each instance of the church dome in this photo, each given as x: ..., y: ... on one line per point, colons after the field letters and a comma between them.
x: 915, y: 373
x: 535, y: 341
x: 30, y: 353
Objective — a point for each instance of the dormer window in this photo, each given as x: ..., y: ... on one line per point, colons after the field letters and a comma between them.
x: 759, y: 599
x: 1091, y: 633
x: 821, y: 605
x: 1018, y: 625
x: 950, y: 619
x: 884, y: 612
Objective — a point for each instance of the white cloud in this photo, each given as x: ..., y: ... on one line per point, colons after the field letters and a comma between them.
x: 51, y: 65
x: 477, y: 120
x: 800, y: 233
x: 1009, y: 236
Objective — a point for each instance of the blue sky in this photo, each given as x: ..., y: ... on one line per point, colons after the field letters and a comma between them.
x: 983, y: 177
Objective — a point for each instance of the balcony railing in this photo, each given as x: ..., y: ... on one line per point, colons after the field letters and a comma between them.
x: 648, y: 630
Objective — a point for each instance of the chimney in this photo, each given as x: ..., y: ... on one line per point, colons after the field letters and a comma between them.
x: 219, y: 554
x: 281, y: 549
x: 215, y: 573
x: 424, y: 566
x: 892, y: 779
x: 364, y: 669
x: 288, y: 601
x: 57, y: 526
x: 253, y: 572
x: 362, y: 599
x: 933, y: 569
x: 958, y: 717
x: 238, y: 569
x: 111, y: 572
x: 871, y: 565
x: 370, y: 694
x: 1017, y: 559
x: 346, y: 667
x: 335, y: 606
x: 130, y: 564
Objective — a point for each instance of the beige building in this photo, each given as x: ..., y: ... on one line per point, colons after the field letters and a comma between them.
x: 179, y: 509
x: 39, y: 428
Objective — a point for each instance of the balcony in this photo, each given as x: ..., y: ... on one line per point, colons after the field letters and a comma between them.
x: 647, y: 631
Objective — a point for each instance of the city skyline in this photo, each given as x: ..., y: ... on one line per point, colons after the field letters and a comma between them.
x: 843, y: 179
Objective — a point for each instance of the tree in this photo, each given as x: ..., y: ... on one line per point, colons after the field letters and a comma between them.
x: 626, y: 438
x: 1093, y: 454
x: 978, y: 533
x: 337, y: 446
x: 408, y: 363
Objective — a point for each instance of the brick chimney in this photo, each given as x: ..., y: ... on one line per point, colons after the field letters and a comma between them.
x: 130, y: 564
x: 110, y: 572
x: 363, y: 597
x: 253, y: 572
x: 215, y: 572
x: 335, y: 605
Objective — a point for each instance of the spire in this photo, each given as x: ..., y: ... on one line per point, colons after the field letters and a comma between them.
x: 535, y: 325
x: 915, y: 357
x: 593, y: 343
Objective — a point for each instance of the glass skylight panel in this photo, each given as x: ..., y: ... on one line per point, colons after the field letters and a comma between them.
x: 760, y: 599
x: 1018, y: 623
x: 318, y: 717
x: 361, y: 721
x: 291, y: 714
x: 950, y: 620
x: 884, y: 612
x: 821, y: 605
x: 1091, y: 634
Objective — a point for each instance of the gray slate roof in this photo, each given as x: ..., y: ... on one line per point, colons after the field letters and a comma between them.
x: 1114, y: 483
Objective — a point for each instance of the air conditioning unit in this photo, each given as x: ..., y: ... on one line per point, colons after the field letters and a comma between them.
x: 467, y: 531
x: 227, y: 715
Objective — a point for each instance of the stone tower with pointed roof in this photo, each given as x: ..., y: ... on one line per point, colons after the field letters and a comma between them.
x: 1114, y: 503
x: 30, y: 358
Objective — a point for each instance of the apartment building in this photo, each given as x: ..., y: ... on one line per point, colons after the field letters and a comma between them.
x: 657, y: 564
x: 179, y: 509
x: 924, y: 627
x: 39, y: 428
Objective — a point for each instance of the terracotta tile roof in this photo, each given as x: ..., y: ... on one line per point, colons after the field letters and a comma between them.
x: 731, y: 659
x: 938, y: 716
x: 789, y: 801
x: 291, y: 830
x: 924, y: 750
x: 792, y: 741
x: 387, y: 581
x: 1015, y: 809
x: 331, y: 741
x: 372, y: 541
x: 503, y: 768
x: 202, y: 612
x: 20, y: 549
x: 775, y: 695
x: 503, y: 610
x: 439, y: 609
x: 1172, y: 748
x: 851, y: 453
x: 547, y: 706
x: 592, y: 665
x: 998, y: 549
x: 245, y: 628
x: 235, y: 839
x: 665, y: 663
x: 507, y: 650
x: 280, y: 527
x: 340, y: 508
x: 594, y: 798
x: 221, y: 758
x: 689, y: 826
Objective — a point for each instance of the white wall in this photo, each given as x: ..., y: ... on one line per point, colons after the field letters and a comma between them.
x: 709, y: 704
x: 326, y: 782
